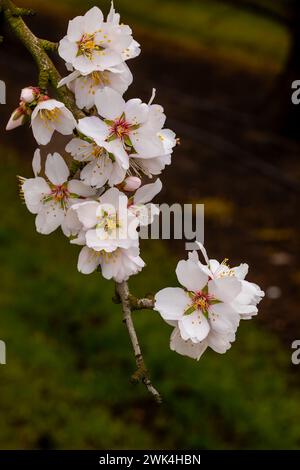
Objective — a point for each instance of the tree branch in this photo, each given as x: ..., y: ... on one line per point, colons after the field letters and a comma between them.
x: 23, y: 12
x: 141, y: 373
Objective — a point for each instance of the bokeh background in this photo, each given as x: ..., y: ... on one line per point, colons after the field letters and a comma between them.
x: 223, y: 72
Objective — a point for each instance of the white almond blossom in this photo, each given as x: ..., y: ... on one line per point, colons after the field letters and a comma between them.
x: 93, y: 44
x: 50, y: 198
x: 48, y: 116
x: 107, y: 222
x: 126, y: 128
x: 118, y: 265
x: 101, y: 167
x: 208, y: 310
x: 140, y: 163
x: 85, y: 87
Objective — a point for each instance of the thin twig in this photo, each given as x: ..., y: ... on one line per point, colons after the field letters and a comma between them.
x: 140, y: 304
x: 49, y: 45
x: 141, y: 373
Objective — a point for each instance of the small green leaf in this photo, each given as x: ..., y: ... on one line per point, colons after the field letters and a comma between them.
x: 190, y: 310
x: 127, y: 141
x: 111, y: 138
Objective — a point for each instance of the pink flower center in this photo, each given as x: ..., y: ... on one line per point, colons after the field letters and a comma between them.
x: 60, y: 192
x: 87, y: 45
x: 202, y: 301
x: 120, y: 128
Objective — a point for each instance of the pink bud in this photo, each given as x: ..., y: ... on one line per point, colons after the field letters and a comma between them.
x: 28, y: 94
x: 16, y: 119
x: 131, y: 183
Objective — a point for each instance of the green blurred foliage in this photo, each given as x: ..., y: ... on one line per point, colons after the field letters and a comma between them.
x: 66, y: 381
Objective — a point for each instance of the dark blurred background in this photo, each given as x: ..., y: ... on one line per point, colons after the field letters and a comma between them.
x: 223, y: 71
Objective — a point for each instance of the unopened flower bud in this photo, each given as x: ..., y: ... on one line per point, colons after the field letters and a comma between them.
x: 28, y: 94
x: 131, y: 183
x: 16, y: 119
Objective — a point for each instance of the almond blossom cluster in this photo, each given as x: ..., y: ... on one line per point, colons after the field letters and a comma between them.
x: 207, y: 311
x: 114, y: 147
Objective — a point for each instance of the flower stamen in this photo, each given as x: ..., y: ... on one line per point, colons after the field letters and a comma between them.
x: 86, y: 45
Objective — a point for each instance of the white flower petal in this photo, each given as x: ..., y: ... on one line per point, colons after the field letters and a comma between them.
x: 36, y: 162
x: 56, y: 169
x: 49, y: 218
x: 104, y: 60
x: 171, y: 303
x: 187, y: 347
x: 219, y: 343
x: 71, y: 224
x: 191, y: 276
x: 79, y: 188
x: 112, y: 16
x: 88, y: 260
x: 114, y: 198
x: 117, y: 175
x: 147, y: 192
x: 87, y: 213
x: 121, y: 81
x: 66, y: 80
x: 80, y: 149
x: 224, y: 288
x: 34, y: 190
x: 65, y: 123
x: 93, y: 20
x: 241, y: 271
x: 156, y: 119
x: 168, y: 138
x: 147, y: 145
x: 117, y: 149
x: 224, y: 317
x: 93, y: 127
x: 136, y: 112
x: 97, y: 172
x: 152, y: 166
x: 67, y: 49
x: 203, y: 251
x: 76, y: 28
x: 194, y: 326
x: 48, y: 105
x: 41, y: 132
x: 120, y: 265
x: 84, y: 64
x: 98, y: 240
x: 110, y: 104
